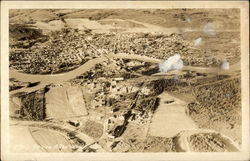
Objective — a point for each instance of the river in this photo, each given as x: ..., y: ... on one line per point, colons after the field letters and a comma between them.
x: 57, y: 78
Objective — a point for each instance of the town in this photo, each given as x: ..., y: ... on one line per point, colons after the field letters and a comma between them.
x: 160, y: 80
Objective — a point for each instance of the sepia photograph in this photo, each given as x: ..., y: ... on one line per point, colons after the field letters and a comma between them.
x: 124, y: 80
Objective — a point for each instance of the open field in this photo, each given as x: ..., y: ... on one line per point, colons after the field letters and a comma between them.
x: 65, y: 102
x: 51, y: 141
x: 22, y: 140
x: 170, y: 117
x: 38, y: 140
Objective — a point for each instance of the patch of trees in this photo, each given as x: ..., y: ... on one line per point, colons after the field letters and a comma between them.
x: 22, y: 32
x: 33, y: 106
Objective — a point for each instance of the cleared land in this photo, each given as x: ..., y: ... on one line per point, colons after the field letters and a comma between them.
x: 51, y: 141
x: 170, y: 118
x: 65, y: 102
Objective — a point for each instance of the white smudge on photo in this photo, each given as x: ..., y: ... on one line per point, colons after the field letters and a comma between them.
x: 172, y: 63
x: 188, y: 20
x: 209, y: 29
x: 225, y: 65
x: 198, y: 41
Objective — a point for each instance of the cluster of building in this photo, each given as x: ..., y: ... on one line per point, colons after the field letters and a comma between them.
x: 106, y: 88
x: 119, y: 117
x: 155, y: 45
x: 61, y: 53
x: 69, y: 49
